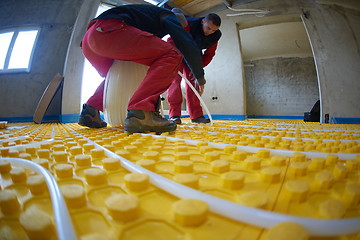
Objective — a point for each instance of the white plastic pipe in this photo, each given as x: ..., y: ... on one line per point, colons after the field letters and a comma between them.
x: 253, y: 216
x: 64, y: 227
x: 198, y: 96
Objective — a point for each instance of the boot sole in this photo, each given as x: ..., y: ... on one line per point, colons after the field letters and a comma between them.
x: 150, y: 129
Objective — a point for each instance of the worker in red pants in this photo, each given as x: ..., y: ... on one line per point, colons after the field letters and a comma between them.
x: 133, y: 33
x: 206, y: 34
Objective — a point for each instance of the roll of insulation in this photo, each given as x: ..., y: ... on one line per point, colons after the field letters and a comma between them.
x: 121, y: 82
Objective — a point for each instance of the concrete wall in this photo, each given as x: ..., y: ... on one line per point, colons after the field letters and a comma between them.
x: 20, y: 92
x: 281, y: 86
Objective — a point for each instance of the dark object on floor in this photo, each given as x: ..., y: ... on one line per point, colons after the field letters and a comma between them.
x: 314, y: 114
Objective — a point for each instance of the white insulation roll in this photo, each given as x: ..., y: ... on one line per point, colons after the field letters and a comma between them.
x: 121, y: 82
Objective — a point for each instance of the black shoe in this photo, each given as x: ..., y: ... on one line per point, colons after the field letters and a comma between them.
x: 200, y: 119
x: 147, y: 121
x: 176, y: 119
x: 90, y: 117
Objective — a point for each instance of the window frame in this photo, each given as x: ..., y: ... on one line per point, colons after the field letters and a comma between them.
x: 16, y: 31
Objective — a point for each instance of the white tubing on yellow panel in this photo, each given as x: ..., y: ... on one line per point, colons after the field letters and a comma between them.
x: 198, y: 96
x: 121, y: 82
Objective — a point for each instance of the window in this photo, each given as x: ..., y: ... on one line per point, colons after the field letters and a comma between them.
x: 16, y: 49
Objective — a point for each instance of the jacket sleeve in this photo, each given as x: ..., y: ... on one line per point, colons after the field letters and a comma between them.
x: 186, y: 45
x: 209, y: 54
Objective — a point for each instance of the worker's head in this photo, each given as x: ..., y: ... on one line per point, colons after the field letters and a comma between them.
x: 210, y: 23
x: 180, y: 16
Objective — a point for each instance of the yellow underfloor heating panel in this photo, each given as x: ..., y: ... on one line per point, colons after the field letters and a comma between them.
x: 254, y: 179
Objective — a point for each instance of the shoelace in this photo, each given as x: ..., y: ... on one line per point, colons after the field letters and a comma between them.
x: 157, y: 114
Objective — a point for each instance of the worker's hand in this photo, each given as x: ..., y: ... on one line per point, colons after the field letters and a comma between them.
x: 201, y: 89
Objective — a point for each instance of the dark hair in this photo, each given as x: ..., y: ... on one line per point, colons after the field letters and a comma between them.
x: 214, y: 18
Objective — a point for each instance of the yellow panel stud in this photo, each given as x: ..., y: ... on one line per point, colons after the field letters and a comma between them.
x: 182, y: 156
x: 239, y: 155
x: 25, y: 156
x: 131, y: 149
x: 230, y: 148
x: 190, y: 212
x: 187, y: 179
x: 352, y: 164
x: 317, y: 163
x: 97, y: 153
x: 298, y: 168
x: 123, y: 207
x: 136, y: 181
x: 181, y: 148
x: 13, y: 153
x: 212, y: 156
x: 83, y: 160
x: 256, y: 199
x: 286, y: 231
x: 233, y: 180
x: 184, y: 166
x: 152, y: 155
x: 63, y: 170
x: 111, y: 164
x: 76, y: 150
x: 18, y: 174
x: 31, y: 150
x: 36, y: 184
x: 5, y: 167
x: 220, y: 166
x: 331, y: 159
x: 4, y: 152
x: 43, y: 153
x: 42, y: 162
x: 146, y: 163
x: 271, y: 174
x: 351, y: 194
x: 324, y: 180
x: 58, y: 148
x: 278, y: 160
x: 61, y: 156
x: 332, y: 209
x: 252, y: 162
x: 8, y: 202
x: 123, y: 153
x: 296, y: 191
x: 37, y: 224
x: 206, y: 149
x: 95, y: 176
x: 340, y: 171
x: 74, y: 195
x: 45, y: 146
x: 298, y: 157
x: 88, y: 146
x: 263, y: 153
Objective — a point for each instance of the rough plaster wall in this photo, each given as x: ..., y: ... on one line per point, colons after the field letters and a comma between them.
x: 20, y: 92
x: 224, y: 73
x: 281, y: 86
x: 335, y: 37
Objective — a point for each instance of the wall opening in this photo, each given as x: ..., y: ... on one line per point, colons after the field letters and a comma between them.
x: 280, y: 75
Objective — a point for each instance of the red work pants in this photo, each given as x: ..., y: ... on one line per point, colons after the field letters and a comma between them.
x: 110, y: 39
x: 174, y: 95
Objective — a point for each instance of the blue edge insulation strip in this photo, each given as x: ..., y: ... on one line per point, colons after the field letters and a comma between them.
x: 73, y: 118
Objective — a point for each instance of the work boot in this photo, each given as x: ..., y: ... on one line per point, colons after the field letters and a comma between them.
x: 147, y: 121
x: 90, y: 117
x: 200, y: 119
x: 176, y: 119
